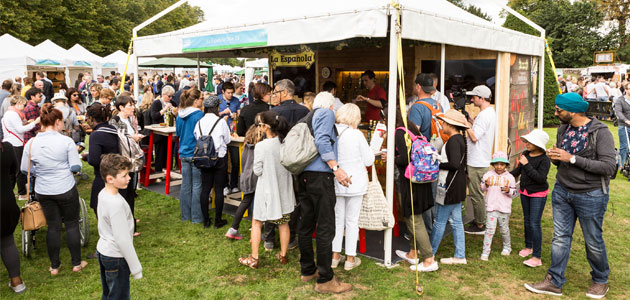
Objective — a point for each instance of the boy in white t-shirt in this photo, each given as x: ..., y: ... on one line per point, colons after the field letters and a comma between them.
x: 116, y: 255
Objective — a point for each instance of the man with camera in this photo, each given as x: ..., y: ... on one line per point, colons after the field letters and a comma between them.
x: 480, y: 142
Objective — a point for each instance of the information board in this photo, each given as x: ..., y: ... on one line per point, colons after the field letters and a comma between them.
x: 522, y: 104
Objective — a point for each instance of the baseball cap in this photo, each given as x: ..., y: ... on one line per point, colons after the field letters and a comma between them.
x: 480, y: 91
x: 426, y: 82
x: 211, y: 101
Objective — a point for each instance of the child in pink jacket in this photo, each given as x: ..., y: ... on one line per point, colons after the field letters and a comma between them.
x: 500, y: 187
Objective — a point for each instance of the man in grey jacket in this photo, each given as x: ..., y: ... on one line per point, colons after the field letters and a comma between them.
x: 585, y: 156
x: 622, y: 112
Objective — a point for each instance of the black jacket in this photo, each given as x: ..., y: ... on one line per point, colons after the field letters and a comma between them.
x: 455, y: 149
x: 248, y: 114
x: 48, y: 91
x: 177, y: 95
x: 100, y: 143
x: 156, y: 117
x: 534, y: 173
x: 291, y: 111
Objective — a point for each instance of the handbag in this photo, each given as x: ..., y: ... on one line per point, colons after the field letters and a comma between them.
x: 375, y: 211
x: 440, y: 195
x: 32, y: 214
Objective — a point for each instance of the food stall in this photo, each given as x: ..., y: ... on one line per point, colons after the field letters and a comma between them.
x: 347, y: 38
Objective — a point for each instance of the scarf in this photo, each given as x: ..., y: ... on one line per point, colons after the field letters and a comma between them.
x: 20, y: 113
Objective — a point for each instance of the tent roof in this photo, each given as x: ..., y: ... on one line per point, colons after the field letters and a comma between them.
x: 283, y: 23
x: 13, y: 47
x: 167, y: 62
x: 49, y: 50
x: 80, y: 53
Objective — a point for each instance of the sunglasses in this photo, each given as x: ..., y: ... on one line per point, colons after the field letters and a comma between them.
x: 558, y: 110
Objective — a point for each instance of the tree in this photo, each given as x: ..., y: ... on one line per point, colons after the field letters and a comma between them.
x: 471, y: 9
x: 619, y: 12
x: 100, y: 26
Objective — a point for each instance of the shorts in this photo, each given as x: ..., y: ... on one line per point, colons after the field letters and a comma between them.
x: 285, y: 219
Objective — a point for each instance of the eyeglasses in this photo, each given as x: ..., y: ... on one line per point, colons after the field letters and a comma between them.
x: 558, y: 110
x: 276, y: 92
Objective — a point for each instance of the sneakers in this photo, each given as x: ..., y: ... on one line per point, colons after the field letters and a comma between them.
x: 233, y: 234
x: 484, y: 257
x: 506, y: 252
x: 269, y: 246
x: 226, y: 191
x: 525, y: 252
x: 293, y: 244
x: 235, y: 190
x: 403, y: 255
x: 545, y: 287
x: 348, y: 265
x: 532, y: 262
x: 453, y: 261
x: 475, y: 230
x: 20, y: 288
x: 430, y: 268
x: 336, y: 262
x: 22, y: 198
x: 597, y: 290
x: 332, y: 287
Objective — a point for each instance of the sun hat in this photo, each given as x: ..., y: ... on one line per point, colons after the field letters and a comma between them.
x: 59, y: 96
x: 455, y: 118
x: 500, y: 156
x: 571, y: 102
x: 211, y: 101
x: 537, y: 138
x: 480, y: 91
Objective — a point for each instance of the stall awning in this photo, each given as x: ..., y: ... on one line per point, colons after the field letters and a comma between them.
x: 173, y: 62
x: 282, y: 23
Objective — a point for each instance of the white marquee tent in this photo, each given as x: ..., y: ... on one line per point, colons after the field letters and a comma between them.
x: 286, y: 23
x: 15, y: 57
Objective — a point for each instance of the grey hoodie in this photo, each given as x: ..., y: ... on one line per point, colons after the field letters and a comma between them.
x: 593, y: 165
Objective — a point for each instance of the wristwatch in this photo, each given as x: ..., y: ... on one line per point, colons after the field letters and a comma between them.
x: 335, y: 168
x: 572, y: 160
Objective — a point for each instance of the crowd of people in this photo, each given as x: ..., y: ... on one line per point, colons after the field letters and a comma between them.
x: 42, y: 131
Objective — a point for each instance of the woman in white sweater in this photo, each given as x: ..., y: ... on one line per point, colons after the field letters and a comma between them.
x: 13, y: 128
x: 354, y: 155
x: 274, y: 199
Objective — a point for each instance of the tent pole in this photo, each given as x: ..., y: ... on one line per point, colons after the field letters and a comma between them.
x: 442, y: 68
x: 135, y: 68
x: 391, y: 124
x: 198, y: 74
x: 541, y: 86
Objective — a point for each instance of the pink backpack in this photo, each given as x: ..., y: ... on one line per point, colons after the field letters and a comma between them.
x: 424, y: 164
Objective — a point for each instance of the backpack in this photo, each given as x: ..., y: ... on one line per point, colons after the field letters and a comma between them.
x: 298, y: 149
x: 68, y: 128
x: 438, y: 137
x: 424, y: 164
x: 205, y: 155
x: 127, y: 148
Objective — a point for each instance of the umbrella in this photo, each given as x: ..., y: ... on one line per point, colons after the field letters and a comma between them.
x: 173, y: 62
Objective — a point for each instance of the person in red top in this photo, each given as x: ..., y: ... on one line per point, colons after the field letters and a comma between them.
x: 375, y: 98
x: 31, y: 111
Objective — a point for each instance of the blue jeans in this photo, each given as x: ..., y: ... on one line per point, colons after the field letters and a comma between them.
x: 453, y: 214
x: 589, y: 208
x: 190, y: 192
x: 623, y: 143
x: 533, y: 208
x: 114, y: 277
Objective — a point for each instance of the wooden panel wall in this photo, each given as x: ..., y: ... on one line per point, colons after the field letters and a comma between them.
x: 502, y: 101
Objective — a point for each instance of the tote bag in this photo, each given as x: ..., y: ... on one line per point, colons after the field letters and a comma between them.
x: 375, y: 211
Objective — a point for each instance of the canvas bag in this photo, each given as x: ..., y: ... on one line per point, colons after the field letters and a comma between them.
x: 424, y: 163
x: 128, y: 148
x: 375, y: 213
x: 32, y: 214
x: 298, y: 149
x: 205, y: 155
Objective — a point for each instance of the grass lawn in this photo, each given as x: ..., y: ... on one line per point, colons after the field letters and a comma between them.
x: 184, y: 261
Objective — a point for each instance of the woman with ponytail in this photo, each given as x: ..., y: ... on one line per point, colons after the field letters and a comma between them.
x: 53, y: 158
x: 274, y: 199
x: 189, y: 114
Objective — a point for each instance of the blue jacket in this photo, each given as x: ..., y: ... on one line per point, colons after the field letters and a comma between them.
x: 421, y: 116
x: 185, y: 126
x: 325, y: 140
x: 234, y: 106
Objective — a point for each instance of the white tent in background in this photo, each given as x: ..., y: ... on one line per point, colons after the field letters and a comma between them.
x: 258, y: 63
x: 15, y: 57
x: 117, y: 60
x: 49, y: 51
x: 83, y: 60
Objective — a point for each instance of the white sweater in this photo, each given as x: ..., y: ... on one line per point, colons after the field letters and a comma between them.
x: 11, y: 122
x: 354, y: 155
x: 115, y: 228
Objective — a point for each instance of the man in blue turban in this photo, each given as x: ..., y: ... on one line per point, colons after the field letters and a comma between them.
x: 585, y: 156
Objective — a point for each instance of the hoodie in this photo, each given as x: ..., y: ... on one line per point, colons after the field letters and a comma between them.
x: 593, y: 165
x: 185, y: 127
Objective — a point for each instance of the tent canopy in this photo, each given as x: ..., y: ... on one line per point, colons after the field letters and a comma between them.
x: 259, y: 25
x: 173, y: 62
x: 49, y: 51
x: 83, y: 57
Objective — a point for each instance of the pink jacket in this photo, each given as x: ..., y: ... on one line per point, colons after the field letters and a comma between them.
x: 497, y: 200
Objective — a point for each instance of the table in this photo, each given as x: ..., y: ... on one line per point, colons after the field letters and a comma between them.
x: 169, y: 132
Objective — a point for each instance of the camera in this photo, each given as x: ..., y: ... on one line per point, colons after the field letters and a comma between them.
x: 457, y: 95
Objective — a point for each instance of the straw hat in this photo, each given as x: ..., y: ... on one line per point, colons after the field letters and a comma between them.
x: 455, y: 118
x: 537, y: 138
x: 59, y: 96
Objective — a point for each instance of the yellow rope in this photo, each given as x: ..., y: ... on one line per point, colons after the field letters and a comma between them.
x: 122, y: 82
x: 553, y: 65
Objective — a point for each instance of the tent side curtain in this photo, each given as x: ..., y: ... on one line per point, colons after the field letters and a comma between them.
x: 319, y: 29
x: 417, y: 25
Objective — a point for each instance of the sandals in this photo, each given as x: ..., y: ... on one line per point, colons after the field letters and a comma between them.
x: 80, y: 267
x: 283, y: 259
x: 54, y: 272
x: 249, y: 261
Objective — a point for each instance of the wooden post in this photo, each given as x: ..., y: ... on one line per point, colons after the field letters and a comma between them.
x: 502, y: 101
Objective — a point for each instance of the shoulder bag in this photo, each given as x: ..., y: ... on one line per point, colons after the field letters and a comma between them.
x: 32, y: 214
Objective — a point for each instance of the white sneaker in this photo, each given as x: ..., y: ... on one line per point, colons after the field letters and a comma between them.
x: 484, y: 257
x: 430, y: 268
x: 336, y: 262
x: 453, y: 261
x: 235, y: 190
x: 20, y: 288
x: 506, y: 252
x: 351, y: 265
x: 226, y: 191
x: 403, y: 255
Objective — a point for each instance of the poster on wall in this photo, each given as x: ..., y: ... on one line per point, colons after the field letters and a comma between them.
x: 522, y: 104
